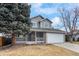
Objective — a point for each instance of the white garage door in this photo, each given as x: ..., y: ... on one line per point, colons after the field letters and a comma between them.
x: 55, y: 38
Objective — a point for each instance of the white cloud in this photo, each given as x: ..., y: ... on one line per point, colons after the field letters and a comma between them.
x: 70, y: 6
x: 47, y: 11
x: 56, y: 21
x: 77, y: 25
x: 58, y: 24
x: 36, y: 5
x: 63, y: 28
x: 50, y: 10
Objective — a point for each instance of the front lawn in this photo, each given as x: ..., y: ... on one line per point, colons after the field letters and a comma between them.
x: 76, y: 43
x: 36, y: 50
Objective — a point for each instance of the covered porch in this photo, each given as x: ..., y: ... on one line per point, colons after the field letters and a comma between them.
x: 36, y: 38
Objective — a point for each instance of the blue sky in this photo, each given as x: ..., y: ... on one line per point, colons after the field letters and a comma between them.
x: 50, y: 11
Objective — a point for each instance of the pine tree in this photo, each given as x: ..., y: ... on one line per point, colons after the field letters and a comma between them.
x: 14, y: 18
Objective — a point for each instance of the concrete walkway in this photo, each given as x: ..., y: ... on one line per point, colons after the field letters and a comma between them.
x: 70, y: 46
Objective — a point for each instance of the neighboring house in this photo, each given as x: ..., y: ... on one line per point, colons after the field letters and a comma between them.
x: 42, y: 32
x: 76, y: 35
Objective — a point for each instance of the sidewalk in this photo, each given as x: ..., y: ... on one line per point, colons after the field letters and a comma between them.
x: 70, y: 46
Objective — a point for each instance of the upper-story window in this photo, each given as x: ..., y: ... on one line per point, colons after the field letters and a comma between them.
x: 33, y: 24
x: 46, y: 24
x: 39, y: 24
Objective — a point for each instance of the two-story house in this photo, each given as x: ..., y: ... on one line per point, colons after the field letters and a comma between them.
x: 42, y: 32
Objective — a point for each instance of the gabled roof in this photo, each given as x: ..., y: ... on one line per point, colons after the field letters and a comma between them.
x: 42, y: 18
x: 37, y: 16
x: 48, y: 20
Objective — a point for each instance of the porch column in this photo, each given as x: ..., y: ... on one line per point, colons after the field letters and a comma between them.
x: 35, y: 38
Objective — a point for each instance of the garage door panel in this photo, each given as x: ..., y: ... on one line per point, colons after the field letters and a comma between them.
x: 54, y: 38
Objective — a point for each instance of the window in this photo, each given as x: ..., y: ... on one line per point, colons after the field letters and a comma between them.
x: 46, y: 25
x: 33, y: 24
x: 38, y: 24
x: 40, y: 34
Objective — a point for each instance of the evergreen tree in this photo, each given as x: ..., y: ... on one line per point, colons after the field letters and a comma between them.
x: 14, y: 18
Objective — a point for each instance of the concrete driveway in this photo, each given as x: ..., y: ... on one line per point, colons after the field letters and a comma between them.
x: 70, y: 46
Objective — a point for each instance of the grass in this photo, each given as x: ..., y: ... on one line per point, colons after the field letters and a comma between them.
x: 36, y: 50
x: 76, y: 42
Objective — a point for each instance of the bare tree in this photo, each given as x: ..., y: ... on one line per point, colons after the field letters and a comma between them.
x: 69, y: 19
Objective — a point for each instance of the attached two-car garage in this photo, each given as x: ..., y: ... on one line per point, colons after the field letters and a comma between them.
x: 55, y: 38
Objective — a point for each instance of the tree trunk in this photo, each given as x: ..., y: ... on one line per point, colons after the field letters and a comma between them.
x: 75, y: 38
x: 25, y: 38
x: 71, y: 38
x: 13, y: 39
